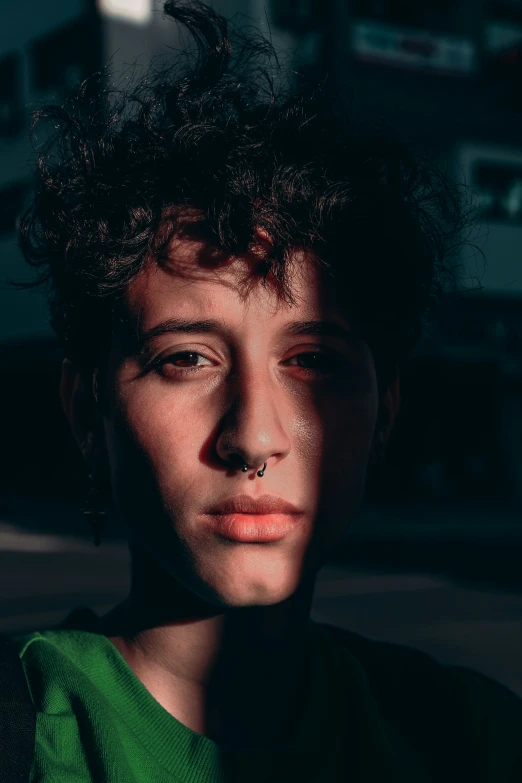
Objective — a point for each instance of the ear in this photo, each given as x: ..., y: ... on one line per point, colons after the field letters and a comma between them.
x: 79, y: 405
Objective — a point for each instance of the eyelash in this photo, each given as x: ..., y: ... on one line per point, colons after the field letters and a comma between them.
x: 180, y: 371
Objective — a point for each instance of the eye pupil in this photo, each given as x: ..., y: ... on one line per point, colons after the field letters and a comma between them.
x: 313, y: 362
x: 182, y: 357
x: 315, y: 359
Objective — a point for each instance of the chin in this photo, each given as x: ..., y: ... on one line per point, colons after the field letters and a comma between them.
x: 254, y: 577
x: 257, y: 594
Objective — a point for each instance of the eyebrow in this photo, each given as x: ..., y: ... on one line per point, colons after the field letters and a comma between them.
x: 325, y: 328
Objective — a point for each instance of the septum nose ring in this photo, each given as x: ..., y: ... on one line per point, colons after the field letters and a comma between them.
x: 260, y: 473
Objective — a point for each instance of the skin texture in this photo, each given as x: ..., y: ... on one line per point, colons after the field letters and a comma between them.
x: 217, y: 630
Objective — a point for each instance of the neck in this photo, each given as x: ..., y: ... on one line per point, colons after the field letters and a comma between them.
x: 239, y: 676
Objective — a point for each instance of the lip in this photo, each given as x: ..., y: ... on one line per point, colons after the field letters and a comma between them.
x: 254, y: 528
x: 246, y: 504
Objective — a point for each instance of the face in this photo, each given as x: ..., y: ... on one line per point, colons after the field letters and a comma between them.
x: 188, y: 407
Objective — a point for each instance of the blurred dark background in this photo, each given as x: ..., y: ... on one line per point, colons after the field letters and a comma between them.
x: 435, y: 557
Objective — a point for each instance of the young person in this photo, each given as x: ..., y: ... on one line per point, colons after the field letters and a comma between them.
x: 236, y: 279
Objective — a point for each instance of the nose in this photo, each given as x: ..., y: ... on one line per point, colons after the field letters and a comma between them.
x: 255, y: 426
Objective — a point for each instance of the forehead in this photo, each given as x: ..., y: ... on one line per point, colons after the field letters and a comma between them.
x: 198, y: 279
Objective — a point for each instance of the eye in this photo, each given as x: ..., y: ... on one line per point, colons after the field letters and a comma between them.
x: 181, y: 363
x: 315, y: 362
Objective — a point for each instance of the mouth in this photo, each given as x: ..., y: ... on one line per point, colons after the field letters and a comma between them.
x: 245, y: 504
x: 254, y: 528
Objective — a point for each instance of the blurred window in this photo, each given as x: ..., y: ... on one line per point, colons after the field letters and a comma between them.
x: 61, y: 60
x: 417, y: 36
x: 498, y: 186
x: 137, y: 11
x: 11, y: 113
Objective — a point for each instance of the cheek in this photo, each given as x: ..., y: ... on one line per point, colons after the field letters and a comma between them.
x: 348, y: 432
x: 348, y: 423
x: 151, y: 431
x: 350, y: 435
x: 329, y: 442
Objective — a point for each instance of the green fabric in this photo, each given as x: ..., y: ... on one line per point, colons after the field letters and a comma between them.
x: 96, y: 722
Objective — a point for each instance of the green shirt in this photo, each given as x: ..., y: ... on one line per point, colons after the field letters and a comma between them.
x: 96, y: 721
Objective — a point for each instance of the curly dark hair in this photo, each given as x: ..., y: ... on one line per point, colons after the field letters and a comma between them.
x: 210, y: 135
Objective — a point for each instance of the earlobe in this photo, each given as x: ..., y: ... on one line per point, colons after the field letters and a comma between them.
x: 78, y: 405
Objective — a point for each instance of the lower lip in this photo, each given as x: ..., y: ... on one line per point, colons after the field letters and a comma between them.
x: 254, y: 528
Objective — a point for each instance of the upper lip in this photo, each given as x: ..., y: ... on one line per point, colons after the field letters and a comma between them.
x: 244, y: 504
